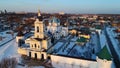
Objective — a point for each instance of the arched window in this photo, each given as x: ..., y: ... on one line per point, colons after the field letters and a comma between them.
x: 35, y: 45
x: 37, y: 29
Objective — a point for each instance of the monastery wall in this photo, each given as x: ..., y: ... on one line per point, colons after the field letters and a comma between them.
x: 67, y: 62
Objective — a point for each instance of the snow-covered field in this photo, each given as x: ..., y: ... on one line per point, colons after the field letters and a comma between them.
x: 9, y: 50
x: 6, y: 37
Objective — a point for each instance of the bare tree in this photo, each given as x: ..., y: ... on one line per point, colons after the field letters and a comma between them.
x: 8, y: 63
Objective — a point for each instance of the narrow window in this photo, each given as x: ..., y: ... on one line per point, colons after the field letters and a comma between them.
x: 37, y: 29
x: 35, y: 45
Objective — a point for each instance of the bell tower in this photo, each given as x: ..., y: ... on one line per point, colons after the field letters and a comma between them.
x: 39, y: 27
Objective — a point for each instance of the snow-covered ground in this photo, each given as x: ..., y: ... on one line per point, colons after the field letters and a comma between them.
x: 30, y: 67
x: 115, y: 42
x: 6, y: 37
x: 9, y: 50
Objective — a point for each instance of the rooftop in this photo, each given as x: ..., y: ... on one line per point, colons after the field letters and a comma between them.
x: 82, y: 39
x: 104, y: 54
x: 54, y: 20
x: 20, y: 33
x: 97, y: 27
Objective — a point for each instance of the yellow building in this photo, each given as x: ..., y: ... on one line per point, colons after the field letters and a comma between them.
x: 38, y: 44
x: 85, y: 36
x: 19, y: 36
x: 73, y: 31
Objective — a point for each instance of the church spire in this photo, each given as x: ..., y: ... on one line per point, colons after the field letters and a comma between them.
x: 39, y: 16
x: 39, y: 26
x: 39, y: 13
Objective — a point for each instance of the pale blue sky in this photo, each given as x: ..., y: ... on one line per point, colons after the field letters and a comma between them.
x: 68, y: 6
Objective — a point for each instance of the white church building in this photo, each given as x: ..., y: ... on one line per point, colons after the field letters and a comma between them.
x: 56, y: 29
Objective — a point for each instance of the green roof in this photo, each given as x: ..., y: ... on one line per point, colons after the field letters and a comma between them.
x: 98, y: 27
x: 104, y: 54
x: 82, y: 39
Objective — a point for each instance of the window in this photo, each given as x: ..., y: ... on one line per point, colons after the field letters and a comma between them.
x: 37, y: 29
x: 35, y: 45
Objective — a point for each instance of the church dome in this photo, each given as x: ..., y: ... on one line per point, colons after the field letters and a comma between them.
x: 54, y: 20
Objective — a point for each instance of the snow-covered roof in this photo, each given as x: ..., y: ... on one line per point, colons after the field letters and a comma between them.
x: 58, y: 45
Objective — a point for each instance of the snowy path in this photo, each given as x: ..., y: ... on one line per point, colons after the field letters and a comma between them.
x: 9, y: 50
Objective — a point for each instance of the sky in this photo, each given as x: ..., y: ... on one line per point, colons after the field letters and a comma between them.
x: 67, y: 6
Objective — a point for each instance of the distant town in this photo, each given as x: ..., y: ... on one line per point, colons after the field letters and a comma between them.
x: 59, y: 40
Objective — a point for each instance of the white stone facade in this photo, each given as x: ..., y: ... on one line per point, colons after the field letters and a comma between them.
x: 56, y: 29
x: 104, y: 63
